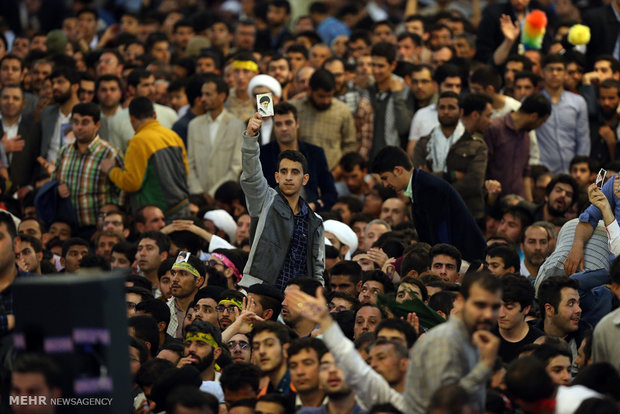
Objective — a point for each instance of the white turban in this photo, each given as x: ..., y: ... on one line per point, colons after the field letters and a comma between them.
x: 268, y: 82
x: 343, y: 233
x: 223, y: 221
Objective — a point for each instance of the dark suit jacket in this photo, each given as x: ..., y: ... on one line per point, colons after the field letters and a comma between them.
x: 49, y: 117
x: 24, y: 166
x: 603, y: 32
x: 321, y: 183
x: 441, y: 216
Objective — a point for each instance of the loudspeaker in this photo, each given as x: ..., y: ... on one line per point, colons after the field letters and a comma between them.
x: 81, y: 322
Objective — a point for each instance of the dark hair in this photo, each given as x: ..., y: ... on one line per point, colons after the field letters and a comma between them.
x: 449, y: 398
x: 579, y: 159
x: 383, y: 313
x: 140, y: 281
x: 157, y: 308
x: 389, y: 158
x: 507, y: 253
x: 280, y: 331
x: 597, y: 405
x: 350, y: 160
x: 136, y: 75
x: 447, y: 70
x: 300, y: 344
x: 614, y: 63
x: 9, y: 223
x: 205, y: 327
x: 109, y: 78
x: 165, y: 266
x: 601, y: 377
x: 527, y: 379
x: 449, y: 94
x: 415, y: 38
x: 610, y: 84
x: 73, y: 241
x: 517, y: 289
x: 239, y: 374
x: 68, y: 73
x: 144, y: 293
x: 220, y: 85
x: 547, y: 352
x: 383, y: 23
x: 285, y: 108
x: 295, y: 156
x: 386, y: 50
x: 190, y: 397
x: 523, y: 214
x: 153, y: 38
x: 151, y: 370
x: 552, y: 58
x: 279, y: 399
x: 95, y: 261
x: 297, y: 48
x: 442, y: 301
x: 527, y: 64
x: 485, y: 76
x: 384, y: 408
x: 417, y: 282
x: 401, y: 326
x: 34, y: 242
x: 550, y: 291
x: 447, y: 250
x: 475, y: 102
x: 322, y: 79
x: 141, y: 108
x: 281, y: 4
x: 162, y: 240
x: 40, y: 364
x: 347, y: 268
x: 87, y: 109
x: 417, y: 260
x: 145, y: 328
x: 563, y: 179
x: 380, y: 277
x: 307, y: 285
x: 11, y: 56
x: 485, y: 280
x: 536, y: 103
x: 614, y: 271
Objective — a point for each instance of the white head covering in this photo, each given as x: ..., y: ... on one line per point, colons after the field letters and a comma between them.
x: 267, y: 81
x: 343, y: 233
x: 223, y: 221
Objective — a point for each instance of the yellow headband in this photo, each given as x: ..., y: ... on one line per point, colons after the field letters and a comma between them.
x: 245, y: 64
x: 187, y: 267
x: 202, y: 337
x: 231, y: 302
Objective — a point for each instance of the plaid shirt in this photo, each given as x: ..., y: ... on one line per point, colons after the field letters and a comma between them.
x: 363, y: 115
x: 90, y: 188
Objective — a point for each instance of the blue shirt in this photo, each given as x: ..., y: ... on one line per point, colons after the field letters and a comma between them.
x: 180, y: 127
x: 565, y: 134
x: 593, y: 215
x: 331, y: 28
x: 295, y: 261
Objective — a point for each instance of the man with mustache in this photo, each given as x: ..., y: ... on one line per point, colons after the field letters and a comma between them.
x: 561, y: 193
x: 536, y: 248
x: 203, y: 346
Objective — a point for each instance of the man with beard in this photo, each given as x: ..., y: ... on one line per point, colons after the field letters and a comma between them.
x: 561, y: 193
x: 536, y: 248
x: 205, y: 304
x: 188, y: 275
x: 77, y: 169
x: 325, y: 121
x: 270, y: 340
x: 290, y: 314
x: 340, y: 397
x: 226, y: 313
x: 203, y: 346
x: 461, y: 350
x: 454, y: 150
x: 56, y: 118
x: 280, y: 69
x: 604, y: 126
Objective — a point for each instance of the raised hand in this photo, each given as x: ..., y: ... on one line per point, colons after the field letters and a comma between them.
x: 510, y: 30
x: 254, y: 125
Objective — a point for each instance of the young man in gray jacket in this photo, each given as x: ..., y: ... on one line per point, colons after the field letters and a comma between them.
x: 287, y: 236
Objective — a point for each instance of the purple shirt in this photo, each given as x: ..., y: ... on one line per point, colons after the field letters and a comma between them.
x: 509, y: 155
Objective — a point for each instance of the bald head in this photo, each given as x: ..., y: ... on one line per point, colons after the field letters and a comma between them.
x: 394, y: 211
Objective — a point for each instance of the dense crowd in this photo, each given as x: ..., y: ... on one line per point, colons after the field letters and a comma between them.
x: 374, y: 206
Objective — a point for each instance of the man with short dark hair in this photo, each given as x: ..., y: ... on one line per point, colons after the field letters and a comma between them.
x: 156, y: 164
x: 320, y: 190
x: 325, y: 121
x: 561, y: 138
x: 28, y: 253
x: 388, y: 97
x: 536, y: 248
x: 285, y: 222
x: 446, y: 262
x: 73, y: 250
x: 188, y: 275
x: 109, y: 90
x: 152, y: 250
x: 439, y: 213
x: 193, y: 92
x: 213, y: 141
x: 36, y: 376
x: 502, y: 259
x: 561, y: 194
x: 78, y: 165
x: 583, y: 170
x: 604, y: 124
x: 303, y: 356
x: 345, y: 276
x: 270, y: 340
x: 514, y: 332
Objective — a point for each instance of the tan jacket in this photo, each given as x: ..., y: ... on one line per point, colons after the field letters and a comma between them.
x: 211, y: 165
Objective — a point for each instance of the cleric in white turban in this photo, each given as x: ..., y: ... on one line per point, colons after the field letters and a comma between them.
x: 341, y: 236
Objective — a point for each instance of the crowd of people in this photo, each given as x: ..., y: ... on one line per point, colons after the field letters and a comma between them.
x: 426, y: 224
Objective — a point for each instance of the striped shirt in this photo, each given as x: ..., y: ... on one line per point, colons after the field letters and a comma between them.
x: 90, y: 188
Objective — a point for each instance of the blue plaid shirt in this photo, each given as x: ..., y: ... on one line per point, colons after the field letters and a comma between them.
x: 295, y: 261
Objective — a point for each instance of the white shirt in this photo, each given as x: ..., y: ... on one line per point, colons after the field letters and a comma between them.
x: 214, y: 127
x: 58, y: 140
x: 613, y: 231
x: 423, y: 122
x: 11, y: 132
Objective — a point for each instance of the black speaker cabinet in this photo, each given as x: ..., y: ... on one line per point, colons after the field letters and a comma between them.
x: 81, y: 322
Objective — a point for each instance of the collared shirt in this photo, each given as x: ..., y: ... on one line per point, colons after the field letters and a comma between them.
x: 445, y: 355
x: 214, y: 127
x: 90, y: 188
x: 565, y: 134
x: 409, y: 191
x: 363, y: 115
x: 504, y: 143
x: 423, y: 122
x: 11, y: 133
x: 295, y: 261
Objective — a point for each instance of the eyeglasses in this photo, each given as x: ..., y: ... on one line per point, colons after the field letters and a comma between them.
x: 213, y: 263
x: 131, y: 305
x: 229, y: 308
x: 241, y: 344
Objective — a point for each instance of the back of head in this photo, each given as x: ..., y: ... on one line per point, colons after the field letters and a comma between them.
x: 322, y: 79
x: 141, y: 107
x: 184, y: 399
x: 537, y: 104
x: 389, y: 158
x: 484, y: 280
x: 527, y: 379
x: 240, y: 374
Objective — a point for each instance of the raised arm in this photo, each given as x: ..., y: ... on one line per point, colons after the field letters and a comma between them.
x: 253, y: 182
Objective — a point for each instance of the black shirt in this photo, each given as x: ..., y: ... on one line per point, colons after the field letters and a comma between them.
x: 510, y: 350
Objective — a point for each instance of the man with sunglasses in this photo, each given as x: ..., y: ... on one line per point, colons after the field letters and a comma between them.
x: 230, y: 303
x: 239, y: 348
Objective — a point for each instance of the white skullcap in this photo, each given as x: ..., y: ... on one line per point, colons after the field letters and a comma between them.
x: 343, y: 233
x: 268, y: 82
x: 223, y: 221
